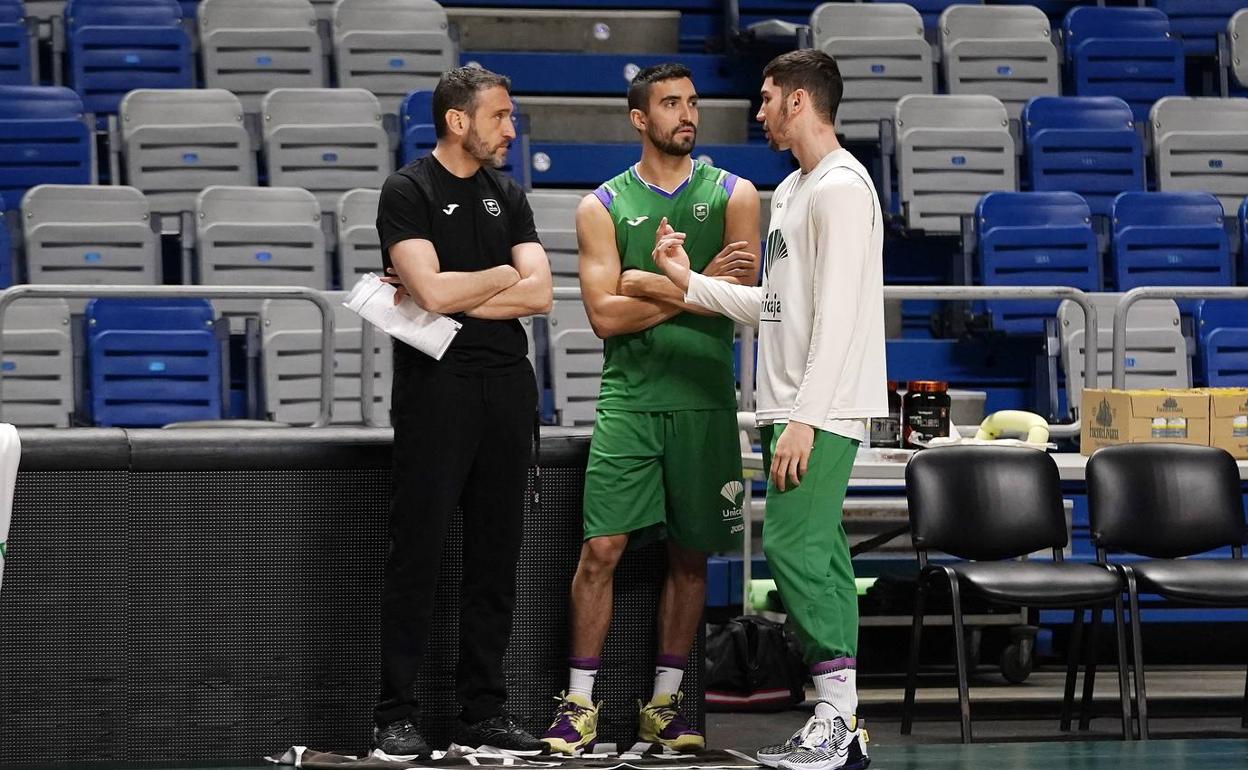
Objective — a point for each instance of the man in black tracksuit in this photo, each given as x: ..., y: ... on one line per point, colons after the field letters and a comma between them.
x: 460, y: 238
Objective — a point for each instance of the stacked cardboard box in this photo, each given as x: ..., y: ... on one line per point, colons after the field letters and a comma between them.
x: 1205, y: 416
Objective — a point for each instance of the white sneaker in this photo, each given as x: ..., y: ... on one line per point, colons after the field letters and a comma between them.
x: 829, y: 741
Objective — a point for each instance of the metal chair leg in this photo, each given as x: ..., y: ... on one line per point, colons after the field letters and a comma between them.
x: 912, y: 670
x: 959, y: 643
x: 1137, y: 654
x: 1089, y: 671
x: 1072, y: 669
x: 1124, y: 686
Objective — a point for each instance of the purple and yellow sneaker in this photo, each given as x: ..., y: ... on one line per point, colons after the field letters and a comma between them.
x: 575, y: 727
x: 661, y: 722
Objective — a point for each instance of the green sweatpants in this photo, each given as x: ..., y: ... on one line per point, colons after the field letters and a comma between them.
x: 807, y: 549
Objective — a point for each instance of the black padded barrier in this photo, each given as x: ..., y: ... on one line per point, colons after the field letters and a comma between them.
x: 209, y: 594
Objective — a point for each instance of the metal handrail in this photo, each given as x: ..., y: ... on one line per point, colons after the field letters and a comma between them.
x: 56, y: 291
x: 1158, y: 292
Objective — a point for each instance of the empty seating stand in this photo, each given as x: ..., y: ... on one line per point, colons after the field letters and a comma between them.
x: 85, y: 234
x: 1222, y: 339
x: 882, y: 55
x: 1034, y: 239
x: 45, y: 140
x: 152, y: 362
x: 950, y: 151
x: 116, y: 46
x: 1156, y: 350
x: 390, y: 47
x: 1085, y: 144
x: 1169, y: 239
x: 38, y: 365
x: 554, y: 214
x: 1002, y: 51
x: 251, y: 47
x: 15, y: 51
x: 359, y: 247
x: 575, y: 363
x: 931, y: 9
x: 292, y: 364
x: 259, y: 236
x: 177, y: 142
x: 1201, y: 144
x: 1123, y: 52
x: 327, y: 140
x: 1198, y: 22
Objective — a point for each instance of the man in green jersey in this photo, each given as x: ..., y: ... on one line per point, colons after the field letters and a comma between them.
x: 665, y: 456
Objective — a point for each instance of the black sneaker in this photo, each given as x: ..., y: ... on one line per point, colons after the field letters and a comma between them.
x: 500, y: 733
x: 400, y: 739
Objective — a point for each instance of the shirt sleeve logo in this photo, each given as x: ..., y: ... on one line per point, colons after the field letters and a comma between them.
x: 701, y: 211
x: 491, y: 207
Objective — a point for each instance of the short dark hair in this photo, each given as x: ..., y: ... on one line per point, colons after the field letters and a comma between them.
x: 812, y: 71
x: 639, y: 86
x: 457, y: 89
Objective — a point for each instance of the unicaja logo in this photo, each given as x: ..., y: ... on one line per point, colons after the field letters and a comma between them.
x: 1170, y: 405
x: 734, y: 493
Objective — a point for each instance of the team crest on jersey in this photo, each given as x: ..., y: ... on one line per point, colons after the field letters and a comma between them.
x: 701, y: 211
x: 491, y: 206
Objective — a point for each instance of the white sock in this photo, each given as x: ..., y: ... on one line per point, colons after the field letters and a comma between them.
x: 666, y: 681
x: 840, y: 688
x: 581, y: 682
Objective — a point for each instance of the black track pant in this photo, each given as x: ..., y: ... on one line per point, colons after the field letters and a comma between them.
x: 458, y: 441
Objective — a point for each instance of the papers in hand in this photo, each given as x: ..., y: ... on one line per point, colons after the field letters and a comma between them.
x: 373, y: 300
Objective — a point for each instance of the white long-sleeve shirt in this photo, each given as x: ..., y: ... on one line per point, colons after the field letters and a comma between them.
x: 820, y: 310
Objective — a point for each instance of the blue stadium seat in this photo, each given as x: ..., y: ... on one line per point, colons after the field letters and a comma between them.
x: 1085, y: 144
x: 931, y: 10
x: 1123, y: 52
x: 6, y: 250
x: 1034, y: 239
x: 152, y: 362
x: 416, y: 115
x: 116, y: 46
x: 1222, y: 334
x: 14, y: 44
x: 44, y: 138
x: 1199, y: 22
x: 1169, y: 239
x: 1243, y: 235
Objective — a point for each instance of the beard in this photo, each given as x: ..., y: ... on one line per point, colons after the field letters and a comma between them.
x: 494, y: 157
x: 772, y: 131
x: 671, y: 144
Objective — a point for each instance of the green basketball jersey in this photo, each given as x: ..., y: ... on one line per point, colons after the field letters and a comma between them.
x: 686, y: 361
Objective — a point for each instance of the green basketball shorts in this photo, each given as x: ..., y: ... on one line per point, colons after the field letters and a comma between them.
x: 678, y: 470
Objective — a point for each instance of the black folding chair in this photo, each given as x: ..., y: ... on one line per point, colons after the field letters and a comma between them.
x: 989, y: 506
x: 1163, y: 502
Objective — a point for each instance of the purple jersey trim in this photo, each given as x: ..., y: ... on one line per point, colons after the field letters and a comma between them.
x: 604, y: 195
x: 729, y: 183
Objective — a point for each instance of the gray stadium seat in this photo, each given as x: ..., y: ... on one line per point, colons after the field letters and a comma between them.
x: 575, y: 363
x: 89, y: 234
x: 324, y: 10
x: 883, y: 56
x: 554, y: 213
x: 1002, y: 51
x: 176, y: 142
x: 950, y: 151
x: 359, y: 248
x: 391, y: 47
x: 291, y: 340
x: 1237, y: 31
x: 1201, y: 144
x: 1156, y: 350
x: 251, y: 47
x: 326, y: 140
x: 38, y: 365
x: 258, y: 236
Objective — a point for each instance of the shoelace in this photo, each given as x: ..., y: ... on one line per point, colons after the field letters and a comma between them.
x: 575, y: 712
x: 818, y: 732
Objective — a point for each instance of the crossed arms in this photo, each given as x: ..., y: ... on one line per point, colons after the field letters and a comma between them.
x: 522, y: 288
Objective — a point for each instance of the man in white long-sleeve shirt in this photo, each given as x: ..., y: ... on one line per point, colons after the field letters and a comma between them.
x: 820, y: 313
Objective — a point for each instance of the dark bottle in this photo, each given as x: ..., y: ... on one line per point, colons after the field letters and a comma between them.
x: 925, y: 412
x: 886, y: 431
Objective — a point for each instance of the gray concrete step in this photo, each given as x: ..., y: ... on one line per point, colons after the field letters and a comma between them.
x: 525, y: 29
x: 605, y: 119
